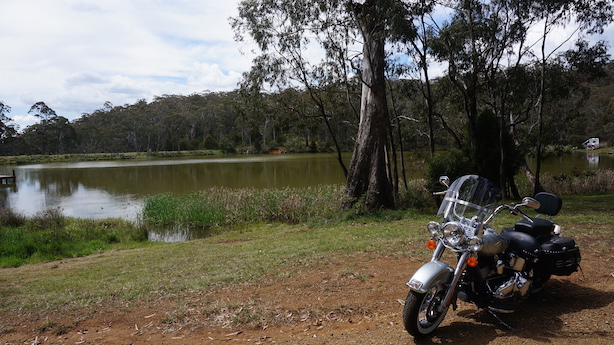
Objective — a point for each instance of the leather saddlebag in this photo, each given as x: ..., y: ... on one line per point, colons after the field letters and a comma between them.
x: 561, y: 255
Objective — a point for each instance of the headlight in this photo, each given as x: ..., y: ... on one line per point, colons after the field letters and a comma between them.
x: 453, y: 234
x: 434, y: 228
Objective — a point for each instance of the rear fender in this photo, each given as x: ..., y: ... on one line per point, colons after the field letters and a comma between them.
x: 430, y: 274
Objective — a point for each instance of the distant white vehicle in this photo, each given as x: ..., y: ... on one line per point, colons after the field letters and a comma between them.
x: 591, y: 144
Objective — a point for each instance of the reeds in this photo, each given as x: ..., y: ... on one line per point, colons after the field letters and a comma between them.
x: 226, y: 206
x: 580, y: 182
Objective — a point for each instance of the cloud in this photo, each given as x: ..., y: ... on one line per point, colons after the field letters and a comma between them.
x: 74, y: 55
x: 211, y: 77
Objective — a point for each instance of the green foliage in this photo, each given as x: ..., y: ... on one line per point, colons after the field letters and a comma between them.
x: 49, y: 235
x: 453, y: 163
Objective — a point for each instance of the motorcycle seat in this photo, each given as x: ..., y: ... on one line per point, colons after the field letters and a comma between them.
x: 536, y: 228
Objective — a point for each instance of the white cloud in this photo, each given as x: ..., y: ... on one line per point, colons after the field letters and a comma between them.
x: 75, y: 55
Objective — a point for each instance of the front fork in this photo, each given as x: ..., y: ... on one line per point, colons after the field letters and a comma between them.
x: 438, y: 269
x: 458, y: 272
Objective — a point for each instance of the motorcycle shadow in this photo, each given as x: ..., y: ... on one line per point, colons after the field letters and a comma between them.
x: 541, y: 318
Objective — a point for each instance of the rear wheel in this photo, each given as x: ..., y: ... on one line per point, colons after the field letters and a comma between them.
x: 421, y: 314
x: 539, y: 282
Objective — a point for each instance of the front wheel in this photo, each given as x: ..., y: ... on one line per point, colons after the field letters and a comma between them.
x: 421, y: 314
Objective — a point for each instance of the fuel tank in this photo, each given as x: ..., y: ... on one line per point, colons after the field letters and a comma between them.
x: 493, y: 243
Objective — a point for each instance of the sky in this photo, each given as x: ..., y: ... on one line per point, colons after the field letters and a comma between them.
x: 75, y: 55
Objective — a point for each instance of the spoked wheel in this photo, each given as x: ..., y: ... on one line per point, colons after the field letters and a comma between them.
x: 421, y: 314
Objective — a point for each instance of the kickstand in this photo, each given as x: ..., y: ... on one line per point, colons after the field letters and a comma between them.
x: 500, y: 321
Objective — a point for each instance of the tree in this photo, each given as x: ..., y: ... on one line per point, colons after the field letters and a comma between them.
x: 5, y: 128
x: 285, y: 32
x: 368, y: 176
x: 589, y: 16
x: 8, y: 132
x: 284, y: 29
x: 47, y: 117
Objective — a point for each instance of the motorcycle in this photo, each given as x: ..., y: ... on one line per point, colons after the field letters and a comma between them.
x: 494, y: 271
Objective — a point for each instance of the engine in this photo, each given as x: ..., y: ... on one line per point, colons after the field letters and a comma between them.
x: 514, y: 287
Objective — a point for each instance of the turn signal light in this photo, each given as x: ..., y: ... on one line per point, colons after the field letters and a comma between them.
x: 431, y: 244
x: 472, y: 262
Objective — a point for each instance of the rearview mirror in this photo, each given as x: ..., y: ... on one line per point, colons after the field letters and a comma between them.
x: 531, y: 203
x: 444, y: 180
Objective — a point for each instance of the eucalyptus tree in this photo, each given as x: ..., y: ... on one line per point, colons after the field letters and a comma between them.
x: 8, y: 132
x: 489, y: 50
x: 583, y: 16
x: 5, y: 128
x: 352, y: 37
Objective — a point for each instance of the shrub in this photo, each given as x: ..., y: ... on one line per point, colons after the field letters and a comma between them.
x: 9, y: 218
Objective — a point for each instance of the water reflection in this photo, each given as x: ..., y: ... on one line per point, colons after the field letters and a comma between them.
x: 593, y: 159
x: 577, y: 161
x: 117, y: 189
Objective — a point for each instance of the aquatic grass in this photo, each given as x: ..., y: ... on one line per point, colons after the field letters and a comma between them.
x: 227, y: 206
x: 579, y: 182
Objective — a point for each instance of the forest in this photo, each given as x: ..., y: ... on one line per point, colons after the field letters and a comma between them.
x: 234, y: 122
x: 500, y: 98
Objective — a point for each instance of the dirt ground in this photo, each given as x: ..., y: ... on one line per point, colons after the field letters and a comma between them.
x: 357, y: 302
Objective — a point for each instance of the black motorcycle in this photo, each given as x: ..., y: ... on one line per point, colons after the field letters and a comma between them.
x: 494, y: 270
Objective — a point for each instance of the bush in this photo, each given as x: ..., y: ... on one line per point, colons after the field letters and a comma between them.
x: 453, y: 163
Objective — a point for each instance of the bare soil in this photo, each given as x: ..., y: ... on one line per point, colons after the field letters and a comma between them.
x: 357, y: 302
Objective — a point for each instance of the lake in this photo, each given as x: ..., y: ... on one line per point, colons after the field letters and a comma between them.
x: 117, y: 188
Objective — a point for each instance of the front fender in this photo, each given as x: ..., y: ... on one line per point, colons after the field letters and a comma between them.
x: 429, y: 274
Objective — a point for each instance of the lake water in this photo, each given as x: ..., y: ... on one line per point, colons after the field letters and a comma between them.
x: 117, y: 188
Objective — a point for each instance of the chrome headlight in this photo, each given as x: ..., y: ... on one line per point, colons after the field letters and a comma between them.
x: 453, y: 234
x: 434, y: 228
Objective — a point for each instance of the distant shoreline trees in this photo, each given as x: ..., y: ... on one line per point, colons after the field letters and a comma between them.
x: 372, y: 92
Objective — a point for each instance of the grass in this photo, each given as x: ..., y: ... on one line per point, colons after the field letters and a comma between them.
x: 580, y: 182
x: 51, y: 236
x: 219, y: 206
x: 255, y: 252
x: 258, y: 251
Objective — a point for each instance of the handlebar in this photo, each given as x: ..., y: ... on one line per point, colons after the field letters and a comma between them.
x: 526, y: 201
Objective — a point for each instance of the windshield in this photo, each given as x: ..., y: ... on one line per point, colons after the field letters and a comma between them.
x: 469, y: 197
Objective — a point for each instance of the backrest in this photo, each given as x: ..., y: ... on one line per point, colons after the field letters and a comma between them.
x: 550, y: 204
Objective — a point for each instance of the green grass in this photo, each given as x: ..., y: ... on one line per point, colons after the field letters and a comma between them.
x: 264, y: 252
x: 51, y: 236
x: 257, y: 251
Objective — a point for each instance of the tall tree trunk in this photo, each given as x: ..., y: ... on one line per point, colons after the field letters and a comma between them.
x: 368, y: 176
